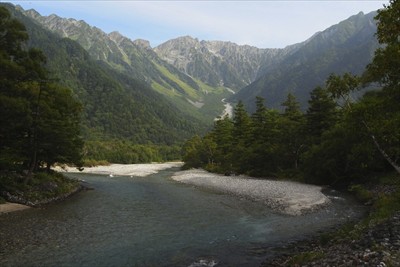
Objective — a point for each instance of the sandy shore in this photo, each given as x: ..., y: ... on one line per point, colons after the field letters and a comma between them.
x: 10, y: 207
x: 287, y: 197
x: 125, y: 169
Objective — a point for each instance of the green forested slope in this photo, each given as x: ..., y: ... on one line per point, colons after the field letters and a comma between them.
x: 346, y: 47
x: 40, y: 119
x: 337, y: 141
x: 115, y: 104
x: 137, y: 60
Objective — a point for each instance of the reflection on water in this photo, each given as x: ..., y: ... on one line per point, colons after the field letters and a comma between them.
x: 153, y: 221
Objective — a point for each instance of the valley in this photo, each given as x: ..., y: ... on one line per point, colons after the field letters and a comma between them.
x: 184, y: 80
x: 198, y: 152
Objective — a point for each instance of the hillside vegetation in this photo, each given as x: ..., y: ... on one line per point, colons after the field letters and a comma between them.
x: 338, y: 140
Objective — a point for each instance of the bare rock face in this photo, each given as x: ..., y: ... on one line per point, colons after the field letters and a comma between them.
x: 246, y: 70
x: 216, y: 62
x: 142, y: 43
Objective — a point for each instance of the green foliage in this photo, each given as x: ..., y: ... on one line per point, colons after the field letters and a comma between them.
x: 386, y: 63
x: 349, y: 48
x: 361, y: 193
x: 125, y: 152
x: 255, y: 144
x: 43, y: 186
x: 341, y: 88
x: 304, y: 258
x: 94, y: 163
x: 321, y: 114
x: 329, y: 145
x: 338, y: 140
x: 40, y: 122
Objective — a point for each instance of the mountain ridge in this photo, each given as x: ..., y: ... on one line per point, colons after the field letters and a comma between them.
x: 187, y: 69
x: 115, y: 105
x: 344, y: 47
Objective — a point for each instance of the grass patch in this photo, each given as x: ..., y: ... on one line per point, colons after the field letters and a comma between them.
x: 94, y: 163
x: 191, y: 92
x: 383, y: 195
x: 305, y: 257
x: 42, y: 186
x: 361, y: 193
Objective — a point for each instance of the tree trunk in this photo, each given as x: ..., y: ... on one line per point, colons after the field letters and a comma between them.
x: 33, y: 141
x: 32, y: 167
x: 48, y: 166
x: 380, y: 149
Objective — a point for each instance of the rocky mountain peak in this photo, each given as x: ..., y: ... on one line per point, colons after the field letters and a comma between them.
x: 32, y: 13
x: 142, y: 43
x: 116, y: 37
x: 231, y: 65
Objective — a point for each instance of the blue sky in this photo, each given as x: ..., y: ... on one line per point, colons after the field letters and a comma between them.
x: 264, y: 24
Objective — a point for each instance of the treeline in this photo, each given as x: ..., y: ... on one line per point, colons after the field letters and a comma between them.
x: 40, y: 120
x: 116, y: 105
x: 126, y: 152
x: 336, y: 140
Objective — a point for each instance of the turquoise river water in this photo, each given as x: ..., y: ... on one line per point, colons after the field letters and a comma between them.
x: 155, y: 221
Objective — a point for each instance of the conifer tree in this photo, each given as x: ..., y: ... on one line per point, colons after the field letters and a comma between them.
x: 292, y: 141
x: 321, y: 114
x: 40, y: 121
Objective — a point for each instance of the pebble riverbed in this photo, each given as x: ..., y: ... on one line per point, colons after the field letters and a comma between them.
x: 378, y: 246
x: 283, y: 196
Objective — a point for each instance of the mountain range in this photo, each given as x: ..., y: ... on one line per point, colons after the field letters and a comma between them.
x: 167, y: 93
x: 346, y: 47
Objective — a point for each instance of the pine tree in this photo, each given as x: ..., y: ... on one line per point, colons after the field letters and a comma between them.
x: 292, y: 141
x: 40, y: 121
x: 321, y: 114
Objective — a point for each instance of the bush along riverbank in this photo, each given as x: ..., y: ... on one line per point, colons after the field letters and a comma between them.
x: 374, y: 241
x: 43, y: 188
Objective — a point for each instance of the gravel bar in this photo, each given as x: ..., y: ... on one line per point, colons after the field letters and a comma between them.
x: 287, y: 197
x: 124, y: 169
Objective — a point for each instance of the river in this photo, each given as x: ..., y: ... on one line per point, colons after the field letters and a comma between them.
x: 155, y: 221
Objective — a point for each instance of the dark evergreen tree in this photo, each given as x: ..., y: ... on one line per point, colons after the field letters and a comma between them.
x: 40, y: 121
x: 292, y: 140
x: 321, y: 114
x: 222, y: 135
x: 265, y: 136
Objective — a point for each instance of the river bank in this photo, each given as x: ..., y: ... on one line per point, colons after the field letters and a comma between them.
x: 372, y: 241
x: 287, y: 197
x: 142, y: 170
x: 377, y: 246
x: 11, y: 207
x: 41, y: 189
x: 283, y: 196
x: 155, y: 221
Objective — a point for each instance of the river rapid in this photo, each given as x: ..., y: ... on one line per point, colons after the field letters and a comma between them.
x: 155, y: 221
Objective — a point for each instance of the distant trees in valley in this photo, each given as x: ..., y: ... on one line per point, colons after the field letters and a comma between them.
x: 336, y: 139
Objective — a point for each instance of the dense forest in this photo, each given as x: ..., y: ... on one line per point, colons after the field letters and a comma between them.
x: 40, y: 120
x: 114, y: 105
x: 337, y: 139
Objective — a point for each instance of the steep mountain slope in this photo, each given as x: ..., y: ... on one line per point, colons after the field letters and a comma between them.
x: 195, y: 75
x: 138, y: 60
x: 115, y: 104
x: 218, y: 63
x: 345, y: 47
